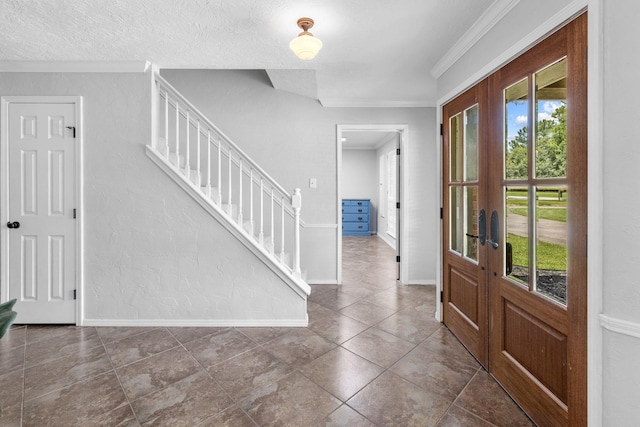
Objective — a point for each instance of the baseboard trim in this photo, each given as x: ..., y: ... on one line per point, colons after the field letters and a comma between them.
x: 323, y: 282
x: 620, y: 326
x: 421, y: 282
x: 211, y: 323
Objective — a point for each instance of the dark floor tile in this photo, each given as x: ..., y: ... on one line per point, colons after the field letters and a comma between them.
x: 392, y: 401
x: 12, y: 416
x: 221, y: 346
x: 345, y: 416
x: 185, y: 335
x: 70, y: 341
x: 367, y: 312
x: 335, y: 326
x: 58, y: 373
x: 77, y: 404
x: 293, y: 401
x: 484, y: 398
x: 231, y: 417
x: 333, y: 299
x: 16, y: 336
x: 250, y: 370
x: 11, y: 360
x: 156, y: 372
x: 458, y: 417
x: 11, y: 389
x: 139, y: 346
x: 434, y: 372
x: 187, y: 402
x: 262, y: 335
x: 411, y: 325
x: 379, y: 347
x: 446, y: 344
x: 117, y: 333
x: 341, y: 372
x: 299, y: 347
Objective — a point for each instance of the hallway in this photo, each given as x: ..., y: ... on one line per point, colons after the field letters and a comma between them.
x: 372, y: 355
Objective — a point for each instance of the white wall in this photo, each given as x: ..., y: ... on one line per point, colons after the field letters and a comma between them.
x: 359, y: 179
x: 294, y: 139
x: 152, y: 255
x: 621, y: 351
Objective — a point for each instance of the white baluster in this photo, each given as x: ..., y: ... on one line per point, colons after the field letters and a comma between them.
x: 229, y: 195
x: 261, y: 234
x: 240, y: 192
x: 208, y: 163
x: 282, y: 230
x: 251, y: 202
x: 273, y: 231
x: 219, y: 183
x: 177, y: 136
x: 296, y: 203
x: 187, y: 166
x: 198, y: 177
x: 166, y: 124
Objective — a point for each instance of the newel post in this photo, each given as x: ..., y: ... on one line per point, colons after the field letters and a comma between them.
x: 296, y: 203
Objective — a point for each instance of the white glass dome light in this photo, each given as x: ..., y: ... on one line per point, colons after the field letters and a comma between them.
x: 305, y: 46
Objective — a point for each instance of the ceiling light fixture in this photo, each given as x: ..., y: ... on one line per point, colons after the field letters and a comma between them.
x: 305, y: 46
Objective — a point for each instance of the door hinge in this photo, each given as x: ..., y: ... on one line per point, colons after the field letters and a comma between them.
x: 398, y: 151
x: 74, y: 213
x: 73, y: 128
x: 441, y: 296
x: 397, y: 258
x: 441, y: 129
x: 75, y: 294
x: 441, y: 213
x: 397, y: 205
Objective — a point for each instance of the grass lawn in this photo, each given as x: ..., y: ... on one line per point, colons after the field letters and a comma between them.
x: 550, y: 257
x: 554, y: 214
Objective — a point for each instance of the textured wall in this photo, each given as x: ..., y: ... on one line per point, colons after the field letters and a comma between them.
x: 294, y: 138
x: 151, y: 253
x: 621, y: 214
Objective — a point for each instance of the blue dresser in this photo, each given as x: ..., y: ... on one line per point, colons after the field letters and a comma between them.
x: 355, y: 217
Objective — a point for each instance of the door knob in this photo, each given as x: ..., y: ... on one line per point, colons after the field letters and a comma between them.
x: 14, y: 224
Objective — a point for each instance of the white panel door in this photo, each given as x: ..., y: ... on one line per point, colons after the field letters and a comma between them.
x: 41, y: 229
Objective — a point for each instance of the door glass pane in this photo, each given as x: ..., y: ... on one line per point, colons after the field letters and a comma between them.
x: 551, y: 242
x: 471, y: 222
x: 551, y: 121
x: 517, y: 233
x: 455, y: 223
x: 516, y: 138
x: 455, y: 144
x: 471, y: 143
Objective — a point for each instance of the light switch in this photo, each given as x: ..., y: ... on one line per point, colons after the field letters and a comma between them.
x: 313, y: 183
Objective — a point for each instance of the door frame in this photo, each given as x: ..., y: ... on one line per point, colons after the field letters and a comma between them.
x: 5, y: 103
x: 595, y: 187
x: 401, y: 238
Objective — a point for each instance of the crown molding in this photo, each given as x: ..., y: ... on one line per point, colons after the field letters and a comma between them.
x: 487, y: 20
x: 373, y: 103
x: 74, y: 66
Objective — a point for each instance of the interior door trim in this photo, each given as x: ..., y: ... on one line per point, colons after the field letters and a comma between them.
x: 5, y: 102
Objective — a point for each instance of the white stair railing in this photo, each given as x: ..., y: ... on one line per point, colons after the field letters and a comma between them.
x: 229, y: 179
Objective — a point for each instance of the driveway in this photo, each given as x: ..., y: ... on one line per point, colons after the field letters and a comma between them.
x: 549, y: 231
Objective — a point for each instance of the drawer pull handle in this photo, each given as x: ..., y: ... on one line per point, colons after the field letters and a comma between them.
x: 359, y: 226
x: 359, y: 218
x: 359, y: 210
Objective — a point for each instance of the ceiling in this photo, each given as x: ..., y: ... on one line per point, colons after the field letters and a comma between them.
x: 376, y: 52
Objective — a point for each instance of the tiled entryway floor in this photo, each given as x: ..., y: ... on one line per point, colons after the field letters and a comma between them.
x: 372, y: 355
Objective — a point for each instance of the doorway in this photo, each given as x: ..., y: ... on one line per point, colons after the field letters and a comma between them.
x: 514, y: 225
x: 375, y: 141
x: 41, y: 197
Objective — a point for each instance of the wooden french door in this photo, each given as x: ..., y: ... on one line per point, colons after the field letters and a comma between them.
x: 532, y: 153
x: 464, y: 194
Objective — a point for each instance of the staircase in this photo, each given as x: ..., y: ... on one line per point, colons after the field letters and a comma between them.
x: 228, y: 184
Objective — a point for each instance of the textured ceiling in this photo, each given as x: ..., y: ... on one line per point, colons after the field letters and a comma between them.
x: 376, y: 52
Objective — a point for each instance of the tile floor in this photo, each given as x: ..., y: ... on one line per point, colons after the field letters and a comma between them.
x: 373, y: 355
